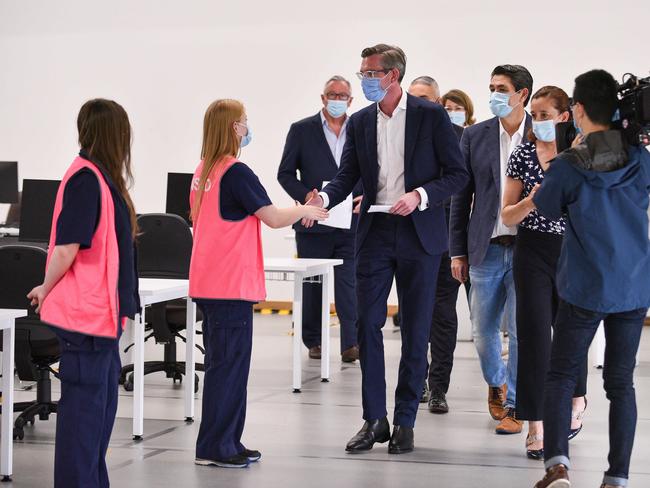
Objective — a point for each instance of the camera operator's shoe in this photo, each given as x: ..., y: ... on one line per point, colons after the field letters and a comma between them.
x: 556, y: 477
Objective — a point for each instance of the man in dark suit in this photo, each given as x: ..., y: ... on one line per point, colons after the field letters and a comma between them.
x: 444, y: 323
x: 481, y: 246
x: 406, y: 153
x: 313, y: 149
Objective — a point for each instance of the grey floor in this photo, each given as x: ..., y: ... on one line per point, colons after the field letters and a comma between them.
x: 302, y: 436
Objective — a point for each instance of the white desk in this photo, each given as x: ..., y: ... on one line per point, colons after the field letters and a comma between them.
x: 7, y: 324
x: 300, y: 269
x: 156, y: 291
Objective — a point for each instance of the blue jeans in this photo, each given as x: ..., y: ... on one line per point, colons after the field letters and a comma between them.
x: 492, y: 302
x: 574, y: 330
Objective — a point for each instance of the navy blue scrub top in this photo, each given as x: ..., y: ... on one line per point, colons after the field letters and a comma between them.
x: 241, y: 194
x: 76, y: 225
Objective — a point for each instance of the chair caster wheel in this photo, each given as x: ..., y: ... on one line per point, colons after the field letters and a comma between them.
x: 196, y: 384
x: 177, y: 377
x: 128, y: 384
x: 19, y: 434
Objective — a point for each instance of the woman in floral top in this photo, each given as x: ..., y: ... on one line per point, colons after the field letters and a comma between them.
x: 536, y: 254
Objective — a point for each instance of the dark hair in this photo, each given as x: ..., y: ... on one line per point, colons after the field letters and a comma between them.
x: 596, y: 90
x: 105, y: 135
x: 559, y: 99
x: 391, y: 57
x: 519, y: 76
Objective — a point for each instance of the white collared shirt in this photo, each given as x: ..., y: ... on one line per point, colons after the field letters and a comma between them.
x: 507, y: 144
x: 335, y: 142
x: 391, y: 134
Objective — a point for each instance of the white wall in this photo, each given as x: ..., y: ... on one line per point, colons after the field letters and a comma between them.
x: 165, y: 61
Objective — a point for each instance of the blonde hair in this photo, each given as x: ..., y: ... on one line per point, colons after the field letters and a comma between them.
x: 220, y: 141
x: 461, y: 98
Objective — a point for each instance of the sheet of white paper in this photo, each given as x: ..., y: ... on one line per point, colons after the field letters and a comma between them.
x: 379, y: 208
x: 340, y: 216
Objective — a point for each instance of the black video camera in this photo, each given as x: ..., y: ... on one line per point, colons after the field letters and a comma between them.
x: 632, y: 117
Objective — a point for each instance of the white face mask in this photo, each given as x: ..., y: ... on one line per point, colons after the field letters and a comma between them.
x: 457, y: 117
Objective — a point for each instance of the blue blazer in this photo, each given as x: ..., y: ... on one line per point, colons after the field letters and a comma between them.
x: 474, y: 210
x: 432, y: 160
x: 306, y: 150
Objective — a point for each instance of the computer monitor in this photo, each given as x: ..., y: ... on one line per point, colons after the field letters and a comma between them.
x: 178, y: 195
x: 36, y: 210
x: 8, y: 182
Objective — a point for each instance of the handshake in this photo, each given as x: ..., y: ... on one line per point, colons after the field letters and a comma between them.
x: 313, y: 204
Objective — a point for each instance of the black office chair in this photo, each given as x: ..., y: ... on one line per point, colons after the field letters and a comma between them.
x: 37, y: 346
x: 13, y: 215
x: 164, y: 251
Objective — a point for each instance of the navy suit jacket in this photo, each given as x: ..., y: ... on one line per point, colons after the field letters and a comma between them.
x: 432, y: 160
x: 474, y: 210
x: 306, y: 150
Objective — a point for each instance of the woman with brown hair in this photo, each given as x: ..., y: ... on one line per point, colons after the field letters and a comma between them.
x: 459, y: 107
x: 536, y: 254
x: 227, y: 276
x: 90, y: 288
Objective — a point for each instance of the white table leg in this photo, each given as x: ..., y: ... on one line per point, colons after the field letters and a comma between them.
x: 190, y: 359
x: 297, y: 331
x: 7, y: 431
x: 325, y: 326
x: 138, y: 377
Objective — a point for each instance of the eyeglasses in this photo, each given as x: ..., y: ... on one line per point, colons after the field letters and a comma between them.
x: 372, y: 74
x: 337, y: 96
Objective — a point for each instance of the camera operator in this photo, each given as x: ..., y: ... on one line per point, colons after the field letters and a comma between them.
x: 601, y: 185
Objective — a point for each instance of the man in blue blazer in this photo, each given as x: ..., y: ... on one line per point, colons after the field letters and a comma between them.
x: 481, y: 246
x: 312, y: 155
x: 406, y: 153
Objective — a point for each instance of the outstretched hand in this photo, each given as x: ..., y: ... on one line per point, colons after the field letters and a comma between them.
x: 315, y: 200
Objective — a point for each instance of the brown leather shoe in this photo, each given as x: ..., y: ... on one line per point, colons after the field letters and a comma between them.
x: 314, y: 352
x: 496, y: 399
x: 350, y: 355
x: 509, y: 424
x: 556, y: 477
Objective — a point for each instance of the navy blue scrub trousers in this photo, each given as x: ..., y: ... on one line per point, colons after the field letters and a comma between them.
x: 392, y: 249
x: 228, y: 341
x: 89, y: 370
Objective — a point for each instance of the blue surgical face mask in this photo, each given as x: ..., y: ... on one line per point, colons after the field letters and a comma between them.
x: 372, y: 89
x: 457, y: 118
x: 337, y: 108
x: 544, y: 131
x: 246, y: 139
x: 578, y: 129
x: 500, y: 104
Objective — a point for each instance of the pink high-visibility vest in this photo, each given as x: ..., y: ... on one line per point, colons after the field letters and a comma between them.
x: 85, y: 299
x: 227, y: 260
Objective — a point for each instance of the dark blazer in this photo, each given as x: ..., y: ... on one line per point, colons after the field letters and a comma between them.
x: 474, y: 210
x: 432, y: 160
x: 306, y: 150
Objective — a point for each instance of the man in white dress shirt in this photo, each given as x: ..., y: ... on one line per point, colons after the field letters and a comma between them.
x: 480, y: 244
x: 406, y: 153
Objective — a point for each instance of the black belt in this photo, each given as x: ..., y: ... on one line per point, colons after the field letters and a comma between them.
x: 505, y: 241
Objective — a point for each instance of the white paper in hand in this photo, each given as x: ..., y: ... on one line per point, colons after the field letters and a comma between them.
x: 340, y: 216
x: 379, y: 208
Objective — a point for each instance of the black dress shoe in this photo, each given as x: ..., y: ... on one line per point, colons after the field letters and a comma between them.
x: 401, y: 441
x: 426, y: 393
x: 438, y: 402
x: 371, y: 432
